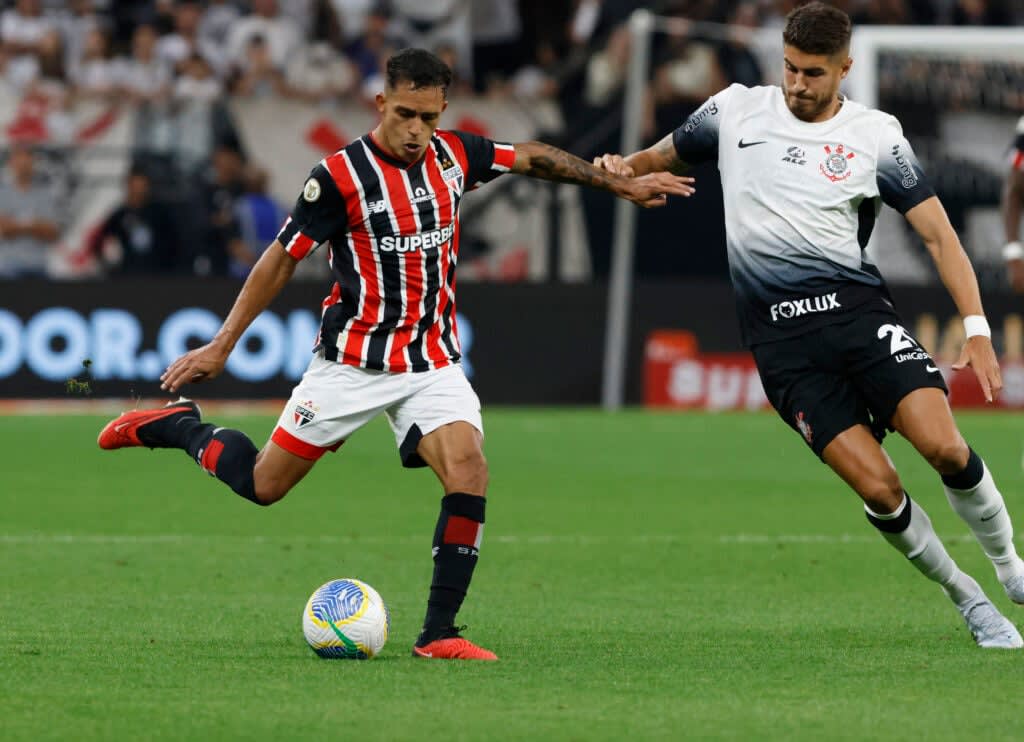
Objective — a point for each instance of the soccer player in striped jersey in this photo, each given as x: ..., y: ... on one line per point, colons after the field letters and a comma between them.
x: 1013, y: 207
x: 804, y: 173
x: 385, y: 208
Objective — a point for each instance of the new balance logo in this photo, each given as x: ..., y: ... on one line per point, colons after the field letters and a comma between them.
x: 376, y: 207
x: 798, y: 307
x: 744, y: 145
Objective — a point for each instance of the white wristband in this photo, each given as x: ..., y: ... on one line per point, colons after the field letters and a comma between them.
x: 1013, y: 251
x: 976, y: 324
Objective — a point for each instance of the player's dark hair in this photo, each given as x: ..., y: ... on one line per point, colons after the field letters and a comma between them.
x: 419, y: 67
x: 817, y: 28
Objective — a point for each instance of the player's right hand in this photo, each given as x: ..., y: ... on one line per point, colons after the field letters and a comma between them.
x: 197, y: 365
x: 615, y: 164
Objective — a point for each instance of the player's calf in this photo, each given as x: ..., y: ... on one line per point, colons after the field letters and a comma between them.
x: 973, y: 495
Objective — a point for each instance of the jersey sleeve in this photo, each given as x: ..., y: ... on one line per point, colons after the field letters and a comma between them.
x: 901, y: 180
x: 487, y: 159
x: 696, y: 141
x: 1017, y: 152
x: 319, y: 214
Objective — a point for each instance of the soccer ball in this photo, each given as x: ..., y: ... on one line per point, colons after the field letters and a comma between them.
x: 346, y: 619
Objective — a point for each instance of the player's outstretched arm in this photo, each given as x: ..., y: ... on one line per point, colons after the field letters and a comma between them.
x: 930, y: 221
x: 266, y: 280
x: 662, y: 157
x: 540, y: 160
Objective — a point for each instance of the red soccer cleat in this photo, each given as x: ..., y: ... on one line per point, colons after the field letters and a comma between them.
x: 453, y: 647
x: 124, y: 431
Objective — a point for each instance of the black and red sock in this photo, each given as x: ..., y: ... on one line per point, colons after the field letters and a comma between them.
x: 456, y: 548
x: 226, y: 454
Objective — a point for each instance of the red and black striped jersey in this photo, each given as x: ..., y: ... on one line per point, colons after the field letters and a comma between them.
x: 393, y: 230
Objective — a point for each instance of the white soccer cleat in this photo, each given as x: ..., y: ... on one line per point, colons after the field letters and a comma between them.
x: 1014, y: 588
x: 990, y: 628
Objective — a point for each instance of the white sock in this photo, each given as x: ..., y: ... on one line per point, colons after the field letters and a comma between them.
x: 982, y: 508
x: 919, y: 543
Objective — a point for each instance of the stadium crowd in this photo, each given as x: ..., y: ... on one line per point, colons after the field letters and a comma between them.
x: 168, y: 59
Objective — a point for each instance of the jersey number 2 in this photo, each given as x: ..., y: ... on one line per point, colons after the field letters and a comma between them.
x: 899, y: 338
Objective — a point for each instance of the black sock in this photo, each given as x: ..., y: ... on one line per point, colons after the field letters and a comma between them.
x: 970, y: 477
x: 226, y: 454
x: 456, y: 544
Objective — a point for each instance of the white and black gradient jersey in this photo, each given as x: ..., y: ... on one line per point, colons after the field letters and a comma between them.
x: 801, y: 200
x: 1017, y: 151
x: 393, y: 230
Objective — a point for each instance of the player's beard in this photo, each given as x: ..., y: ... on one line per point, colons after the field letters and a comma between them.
x: 806, y: 108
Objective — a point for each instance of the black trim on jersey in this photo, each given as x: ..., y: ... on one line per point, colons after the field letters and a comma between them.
x: 865, y: 221
x: 390, y: 262
x: 480, y: 156
x: 320, y: 220
x: 337, y: 316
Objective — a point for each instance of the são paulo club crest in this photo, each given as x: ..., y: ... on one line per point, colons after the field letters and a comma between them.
x: 304, y: 413
x: 836, y: 166
x: 804, y: 427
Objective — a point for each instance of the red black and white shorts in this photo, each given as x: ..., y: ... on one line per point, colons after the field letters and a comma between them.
x: 332, y: 401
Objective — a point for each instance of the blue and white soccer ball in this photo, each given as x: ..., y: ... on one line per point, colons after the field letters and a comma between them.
x: 346, y: 619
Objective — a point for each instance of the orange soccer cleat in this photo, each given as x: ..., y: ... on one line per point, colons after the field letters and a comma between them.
x: 451, y: 646
x: 128, y: 429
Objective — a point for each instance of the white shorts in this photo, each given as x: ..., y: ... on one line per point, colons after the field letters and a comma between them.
x: 332, y: 401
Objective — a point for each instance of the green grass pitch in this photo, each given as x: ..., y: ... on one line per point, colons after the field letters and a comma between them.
x: 642, y: 576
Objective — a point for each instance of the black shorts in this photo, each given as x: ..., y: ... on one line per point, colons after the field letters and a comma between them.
x: 834, y: 377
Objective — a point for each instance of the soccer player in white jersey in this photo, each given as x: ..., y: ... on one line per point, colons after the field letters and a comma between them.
x: 1013, y: 207
x: 804, y: 173
x: 387, y: 205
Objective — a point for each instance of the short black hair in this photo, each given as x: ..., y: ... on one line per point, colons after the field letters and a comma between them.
x: 419, y: 67
x: 817, y: 28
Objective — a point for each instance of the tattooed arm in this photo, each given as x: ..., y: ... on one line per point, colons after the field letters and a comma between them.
x: 540, y: 160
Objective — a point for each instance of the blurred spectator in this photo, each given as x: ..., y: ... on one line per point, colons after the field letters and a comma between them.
x: 29, y: 218
x: 737, y: 62
x: 319, y: 74
x: 217, y: 21
x: 95, y: 75
x: 981, y: 13
x: 351, y: 17
x: 76, y: 23
x: 258, y: 218
x: 459, y: 86
x: 24, y: 27
x: 432, y: 24
x: 497, y: 41
x: 143, y: 76
x: 17, y: 72
x: 197, y: 81
x: 1012, y: 206
x: 279, y: 33
x: 139, y: 237
x: 185, y: 42
x: 368, y: 55
x: 218, y: 195
x: 257, y: 76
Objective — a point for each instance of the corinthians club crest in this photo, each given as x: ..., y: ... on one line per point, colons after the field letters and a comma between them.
x: 304, y: 413
x: 836, y: 166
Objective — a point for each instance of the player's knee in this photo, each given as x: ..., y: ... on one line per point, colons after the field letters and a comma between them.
x: 269, y: 490
x: 466, y: 471
x: 947, y: 455
x: 882, y: 494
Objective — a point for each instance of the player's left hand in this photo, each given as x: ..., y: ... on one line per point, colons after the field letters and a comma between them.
x: 652, y: 190
x: 979, y: 354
